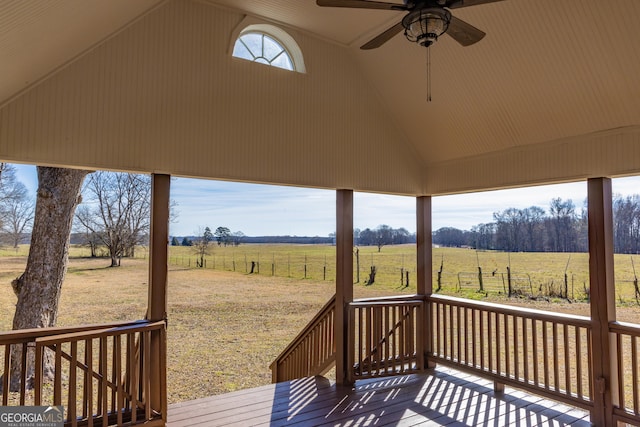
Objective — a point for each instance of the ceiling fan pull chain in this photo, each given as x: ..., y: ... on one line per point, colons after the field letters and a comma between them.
x: 428, y: 74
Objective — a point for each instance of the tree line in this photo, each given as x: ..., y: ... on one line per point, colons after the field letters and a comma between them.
x: 563, y: 228
x: 382, y: 236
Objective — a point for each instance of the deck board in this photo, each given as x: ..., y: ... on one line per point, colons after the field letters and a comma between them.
x: 443, y: 397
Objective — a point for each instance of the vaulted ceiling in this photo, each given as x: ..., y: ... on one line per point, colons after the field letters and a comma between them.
x: 550, y: 94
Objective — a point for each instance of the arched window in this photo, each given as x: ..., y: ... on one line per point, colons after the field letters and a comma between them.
x: 268, y: 44
x: 262, y: 48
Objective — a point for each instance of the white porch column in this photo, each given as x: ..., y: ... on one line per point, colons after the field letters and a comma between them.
x: 344, y: 279
x: 602, y: 297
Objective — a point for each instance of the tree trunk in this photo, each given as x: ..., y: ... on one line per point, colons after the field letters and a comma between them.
x: 38, y: 288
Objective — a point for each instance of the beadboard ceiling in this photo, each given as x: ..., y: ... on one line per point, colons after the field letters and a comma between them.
x: 549, y: 73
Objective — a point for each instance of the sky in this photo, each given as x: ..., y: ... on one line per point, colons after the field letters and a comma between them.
x: 267, y: 210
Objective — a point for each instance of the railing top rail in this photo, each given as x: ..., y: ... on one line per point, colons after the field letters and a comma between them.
x: 389, y: 303
x: 625, y: 328
x: 569, y: 319
x: 145, y: 325
x: 28, y: 335
x: 412, y: 297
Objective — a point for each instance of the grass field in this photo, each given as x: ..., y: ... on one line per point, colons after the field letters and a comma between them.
x: 226, y: 327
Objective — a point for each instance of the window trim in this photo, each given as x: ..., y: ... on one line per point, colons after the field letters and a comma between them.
x: 251, y: 25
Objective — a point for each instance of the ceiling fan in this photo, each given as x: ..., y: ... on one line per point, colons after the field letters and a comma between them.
x: 425, y: 21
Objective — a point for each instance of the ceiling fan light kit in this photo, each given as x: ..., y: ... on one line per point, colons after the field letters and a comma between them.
x: 424, y: 26
x: 425, y: 21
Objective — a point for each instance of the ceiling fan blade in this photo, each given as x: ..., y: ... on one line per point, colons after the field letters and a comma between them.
x: 383, y: 37
x: 457, y: 4
x: 464, y: 33
x: 361, y: 4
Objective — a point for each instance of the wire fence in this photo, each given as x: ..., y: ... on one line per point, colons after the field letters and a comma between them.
x: 396, y: 271
x: 387, y: 269
x: 567, y: 286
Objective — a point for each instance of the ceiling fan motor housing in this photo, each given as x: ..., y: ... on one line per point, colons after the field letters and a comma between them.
x: 424, y: 26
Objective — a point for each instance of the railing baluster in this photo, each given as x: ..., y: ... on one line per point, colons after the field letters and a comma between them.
x: 545, y: 353
x: 57, y: 376
x: 556, y: 357
x: 73, y: 386
x: 466, y: 336
x: 525, y: 349
x: 146, y: 358
x: 534, y: 354
x: 449, y: 332
x: 507, y: 347
x: 88, y: 378
x: 482, y: 341
x: 634, y: 371
x: 474, y: 332
x: 386, y: 326
x: 578, y: 363
x: 103, y: 382
x: 117, y: 357
x: 567, y: 360
x: 5, y: 377
x: 113, y: 375
x: 37, y: 398
x: 497, y: 340
x: 437, y: 312
x: 458, y: 331
x: 401, y: 347
x: 23, y: 376
x: 620, y: 373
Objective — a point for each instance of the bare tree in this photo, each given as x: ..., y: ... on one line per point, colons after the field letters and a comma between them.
x: 119, y: 211
x: 38, y: 288
x: 626, y: 220
x: 562, y: 225
x: 84, y: 216
x: 236, y: 237
x: 16, y: 207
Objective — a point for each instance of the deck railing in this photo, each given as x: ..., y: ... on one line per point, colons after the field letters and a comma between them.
x: 627, y: 342
x: 312, y: 352
x: 100, y: 374
x: 546, y: 353
x: 384, y: 338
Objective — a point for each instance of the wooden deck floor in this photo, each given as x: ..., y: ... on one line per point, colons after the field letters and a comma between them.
x: 443, y: 397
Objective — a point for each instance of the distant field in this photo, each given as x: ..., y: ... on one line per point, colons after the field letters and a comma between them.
x: 226, y: 327
x: 532, y: 274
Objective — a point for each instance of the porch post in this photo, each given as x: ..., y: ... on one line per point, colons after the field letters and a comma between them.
x: 601, y: 279
x: 425, y: 270
x: 157, y: 304
x: 344, y: 280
